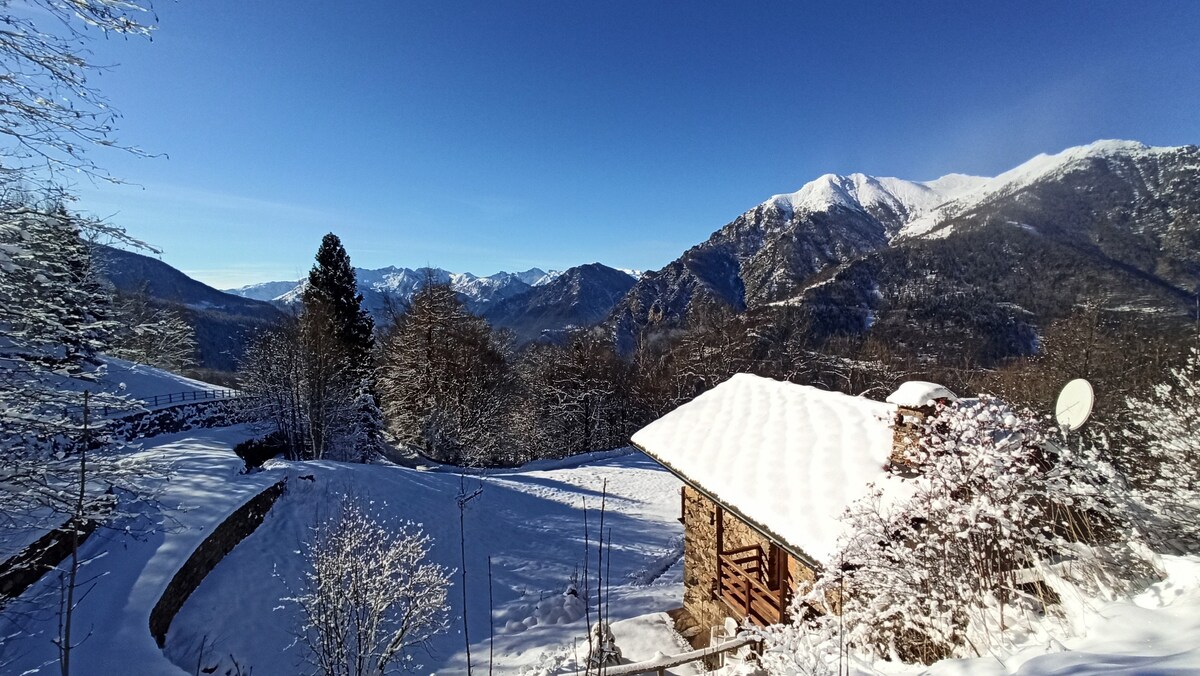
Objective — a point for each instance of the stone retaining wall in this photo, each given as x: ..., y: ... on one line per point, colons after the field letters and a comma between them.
x: 201, y: 414
x: 20, y: 572
x: 215, y: 547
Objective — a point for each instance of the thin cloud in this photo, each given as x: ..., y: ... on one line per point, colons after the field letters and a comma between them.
x: 171, y: 198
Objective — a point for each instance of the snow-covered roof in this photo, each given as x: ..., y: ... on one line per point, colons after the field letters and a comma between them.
x: 918, y: 393
x: 788, y: 458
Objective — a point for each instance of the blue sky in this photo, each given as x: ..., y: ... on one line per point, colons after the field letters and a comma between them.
x: 503, y: 135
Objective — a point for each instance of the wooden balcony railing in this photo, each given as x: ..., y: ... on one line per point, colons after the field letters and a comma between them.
x: 742, y: 583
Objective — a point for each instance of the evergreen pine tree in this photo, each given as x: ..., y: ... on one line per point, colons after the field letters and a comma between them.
x: 338, y: 338
x: 332, y: 284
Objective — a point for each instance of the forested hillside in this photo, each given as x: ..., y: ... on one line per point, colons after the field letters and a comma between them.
x: 224, y: 324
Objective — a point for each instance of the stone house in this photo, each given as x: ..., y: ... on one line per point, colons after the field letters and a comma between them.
x: 768, y: 468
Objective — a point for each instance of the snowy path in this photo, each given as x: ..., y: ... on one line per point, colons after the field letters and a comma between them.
x: 136, y: 566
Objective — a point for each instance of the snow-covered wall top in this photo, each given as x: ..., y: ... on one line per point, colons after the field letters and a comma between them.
x: 790, y: 458
x: 918, y: 393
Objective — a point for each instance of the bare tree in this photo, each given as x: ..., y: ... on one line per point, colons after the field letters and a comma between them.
x: 1166, y: 423
x: 52, y: 310
x: 152, y: 333
x: 308, y: 391
x: 50, y: 114
x: 445, y: 379
x: 369, y: 595
x: 576, y: 398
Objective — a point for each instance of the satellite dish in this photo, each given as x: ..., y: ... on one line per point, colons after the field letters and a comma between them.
x: 1074, y: 404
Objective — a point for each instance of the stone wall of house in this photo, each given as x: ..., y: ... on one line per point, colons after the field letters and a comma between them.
x: 700, y: 560
x: 215, y: 547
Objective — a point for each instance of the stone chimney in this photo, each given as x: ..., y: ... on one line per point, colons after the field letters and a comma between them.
x: 915, y: 401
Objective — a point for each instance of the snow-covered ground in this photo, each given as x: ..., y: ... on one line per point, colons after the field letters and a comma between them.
x: 1155, y: 632
x: 528, y: 520
x: 138, y: 381
x: 134, y: 561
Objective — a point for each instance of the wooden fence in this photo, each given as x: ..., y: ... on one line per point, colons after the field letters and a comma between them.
x: 660, y: 665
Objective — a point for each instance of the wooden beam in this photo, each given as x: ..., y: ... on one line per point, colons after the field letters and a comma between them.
x: 720, y: 517
x: 663, y: 663
x: 782, y: 571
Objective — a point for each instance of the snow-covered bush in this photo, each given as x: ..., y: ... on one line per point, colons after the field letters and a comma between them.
x: 368, y: 595
x: 1167, y: 425
x: 995, y: 520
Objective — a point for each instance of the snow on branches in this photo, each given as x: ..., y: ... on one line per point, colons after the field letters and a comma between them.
x: 1167, y: 425
x: 369, y: 594
x: 53, y: 319
x: 998, y: 520
x: 50, y: 112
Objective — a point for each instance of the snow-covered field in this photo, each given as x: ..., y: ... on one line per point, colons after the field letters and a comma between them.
x: 113, y: 376
x: 138, y: 381
x: 134, y: 561
x: 529, y: 521
x: 1155, y: 632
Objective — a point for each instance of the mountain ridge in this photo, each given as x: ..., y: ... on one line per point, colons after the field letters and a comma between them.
x: 778, y: 250
x: 224, y: 323
x: 578, y: 297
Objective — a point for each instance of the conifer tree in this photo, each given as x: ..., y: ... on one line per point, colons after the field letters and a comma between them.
x: 336, y: 335
x: 332, y: 285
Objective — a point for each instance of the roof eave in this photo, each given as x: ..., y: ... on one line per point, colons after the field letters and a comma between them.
x: 760, y: 528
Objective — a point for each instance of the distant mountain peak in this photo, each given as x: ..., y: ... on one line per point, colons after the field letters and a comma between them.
x: 791, y: 243
x: 871, y: 194
x: 398, y: 283
x: 1040, y: 167
x: 576, y: 297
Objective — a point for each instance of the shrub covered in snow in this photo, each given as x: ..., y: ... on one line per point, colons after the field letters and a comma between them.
x: 997, y: 521
x: 369, y: 595
x: 1167, y: 425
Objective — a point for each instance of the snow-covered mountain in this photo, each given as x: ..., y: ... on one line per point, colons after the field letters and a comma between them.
x: 894, y: 201
x: 1120, y: 209
x: 266, y: 291
x: 542, y: 301
x: 1116, y: 156
x: 399, y: 284
x: 578, y: 297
